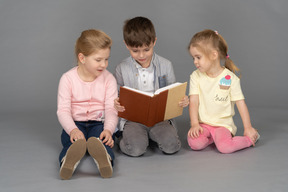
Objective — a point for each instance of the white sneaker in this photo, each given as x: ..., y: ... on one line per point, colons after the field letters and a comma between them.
x: 72, y: 158
x: 258, y: 137
x: 101, y: 157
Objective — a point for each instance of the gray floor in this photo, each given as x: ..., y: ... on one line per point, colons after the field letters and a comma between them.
x: 30, y: 144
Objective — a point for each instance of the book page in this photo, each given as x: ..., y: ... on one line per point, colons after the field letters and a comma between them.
x: 167, y: 87
x: 157, y: 91
x: 174, y: 96
x: 138, y: 91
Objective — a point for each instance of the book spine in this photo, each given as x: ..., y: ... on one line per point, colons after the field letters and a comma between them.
x: 157, y: 108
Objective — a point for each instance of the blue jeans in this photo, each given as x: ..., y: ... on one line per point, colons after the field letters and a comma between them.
x: 89, y: 129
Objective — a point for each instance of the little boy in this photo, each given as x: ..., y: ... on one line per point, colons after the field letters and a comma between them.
x: 146, y: 71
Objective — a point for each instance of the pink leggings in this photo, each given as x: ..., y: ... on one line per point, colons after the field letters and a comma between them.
x: 222, y: 138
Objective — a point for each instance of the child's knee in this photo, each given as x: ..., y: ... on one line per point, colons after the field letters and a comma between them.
x: 170, y: 147
x: 196, y: 144
x: 133, y: 149
x: 223, y: 148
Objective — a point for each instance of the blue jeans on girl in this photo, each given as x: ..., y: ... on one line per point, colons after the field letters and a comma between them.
x: 89, y: 129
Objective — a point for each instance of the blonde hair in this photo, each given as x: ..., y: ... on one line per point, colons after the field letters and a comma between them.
x: 207, y: 39
x: 91, y: 41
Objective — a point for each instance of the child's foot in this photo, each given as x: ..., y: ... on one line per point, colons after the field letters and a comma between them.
x: 254, y: 141
x: 99, y: 153
x: 72, y: 158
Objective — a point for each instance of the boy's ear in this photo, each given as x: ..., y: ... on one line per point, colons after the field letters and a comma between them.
x: 126, y: 45
x: 155, y: 41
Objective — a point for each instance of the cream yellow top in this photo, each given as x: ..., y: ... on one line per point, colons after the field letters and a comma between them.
x: 217, y: 97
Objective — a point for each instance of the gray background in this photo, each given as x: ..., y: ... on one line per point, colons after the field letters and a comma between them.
x: 37, y: 46
x: 37, y: 41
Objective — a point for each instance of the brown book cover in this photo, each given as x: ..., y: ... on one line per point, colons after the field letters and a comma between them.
x: 150, y: 109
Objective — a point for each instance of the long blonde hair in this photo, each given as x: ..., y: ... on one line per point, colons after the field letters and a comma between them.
x: 90, y: 41
x: 206, y: 39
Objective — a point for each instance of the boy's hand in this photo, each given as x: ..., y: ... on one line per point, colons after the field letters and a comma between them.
x: 184, y: 102
x: 117, y: 105
x: 195, y: 131
x: 76, y: 134
x: 106, y: 138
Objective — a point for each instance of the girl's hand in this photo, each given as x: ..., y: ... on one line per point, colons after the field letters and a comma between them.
x: 106, y: 138
x: 248, y: 129
x: 252, y: 133
x: 117, y: 105
x: 195, y: 131
x: 76, y: 134
x: 184, y: 102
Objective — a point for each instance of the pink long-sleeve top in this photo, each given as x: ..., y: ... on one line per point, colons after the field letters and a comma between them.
x: 84, y: 101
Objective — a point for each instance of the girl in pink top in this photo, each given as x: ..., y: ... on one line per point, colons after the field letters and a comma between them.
x: 86, y: 111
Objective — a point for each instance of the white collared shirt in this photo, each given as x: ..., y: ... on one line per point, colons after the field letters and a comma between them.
x: 145, y: 78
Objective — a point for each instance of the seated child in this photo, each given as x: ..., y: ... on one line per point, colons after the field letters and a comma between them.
x: 86, y: 106
x: 146, y: 71
x: 214, y: 89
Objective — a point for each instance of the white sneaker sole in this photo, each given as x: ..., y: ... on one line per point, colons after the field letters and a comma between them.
x: 258, y: 137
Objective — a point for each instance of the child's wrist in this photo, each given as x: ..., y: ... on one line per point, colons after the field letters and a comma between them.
x: 73, y: 130
x: 193, y: 124
x: 108, y: 131
x: 247, y: 127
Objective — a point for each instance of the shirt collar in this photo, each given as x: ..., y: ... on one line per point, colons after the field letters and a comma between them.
x: 149, y: 69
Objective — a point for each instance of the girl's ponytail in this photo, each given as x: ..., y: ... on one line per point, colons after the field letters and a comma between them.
x: 222, y: 46
x: 229, y: 64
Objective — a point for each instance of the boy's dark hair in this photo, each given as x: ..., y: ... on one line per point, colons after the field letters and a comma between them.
x: 139, y: 31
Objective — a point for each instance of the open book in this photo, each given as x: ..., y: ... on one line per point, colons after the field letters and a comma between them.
x: 151, y: 108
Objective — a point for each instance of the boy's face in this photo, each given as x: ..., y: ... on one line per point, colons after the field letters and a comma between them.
x: 143, y: 55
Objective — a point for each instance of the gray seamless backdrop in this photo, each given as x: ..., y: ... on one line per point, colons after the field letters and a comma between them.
x: 37, y: 43
x: 37, y: 40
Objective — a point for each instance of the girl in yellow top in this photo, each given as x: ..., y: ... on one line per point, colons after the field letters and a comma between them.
x: 214, y: 90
